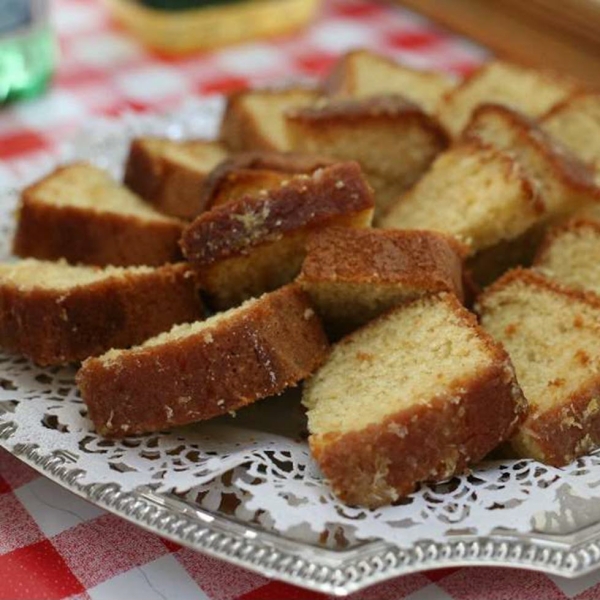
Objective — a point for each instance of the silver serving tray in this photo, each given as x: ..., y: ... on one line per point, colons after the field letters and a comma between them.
x: 338, y: 572
x: 564, y: 542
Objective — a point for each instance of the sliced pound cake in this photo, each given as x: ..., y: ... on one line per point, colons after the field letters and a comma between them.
x: 353, y: 275
x: 530, y: 91
x: 553, y: 337
x: 253, y: 119
x: 169, y: 174
x: 201, y: 370
x: 248, y: 173
x: 415, y: 396
x: 570, y: 255
x: 361, y: 73
x: 566, y: 184
x: 478, y: 194
x: 55, y: 313
x: 256, y: 244
x: 392, y: 139
x: 576, y: 124
x: 80, y: 214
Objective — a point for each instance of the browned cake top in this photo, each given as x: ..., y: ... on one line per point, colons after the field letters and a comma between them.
x: 304, y: 201
x: 382, y: 104
x: 281, y: 162
x: 372, y: 108
x: 348, y: 254
x: 566, y: 165
x: 200, y: 370
x: 531, y: 278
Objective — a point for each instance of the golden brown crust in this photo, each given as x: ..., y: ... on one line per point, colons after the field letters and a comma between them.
x: 467, y: 81
x: 558, y: 436
x: 425, y: 260
x: 50, y: 232
x: 393, y: 140
x: 54, y: 327
x: 383, y: 462
x: 307, y: 202
x: 572, y: 428
x: 240, y: 130
x: 257, y: 352
x: 341, y: 80
x: 567, y: 167
x: 239, y: 172
x: 536, y: 279
x: 534, y: 207
x: 356, y: 109
x: 381, y: 108
x: 172, y: 187
x: 352, y: 275
x: 246, y: 182
x: 566, y: 103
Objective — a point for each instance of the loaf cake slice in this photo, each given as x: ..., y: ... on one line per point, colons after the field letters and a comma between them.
x: 530, y: 91
x: 478, y: 194
x: 569, y: 255
x: 55, y: 313
x: 79, y: 213
x: 566, y: 184
x: 415, y: 396
x: 256, y: 244
x: 361, y: 73
x: 253, y: 119
x: 169, y: 174
x: 248, y: 173
x: 575, y: 123
x: 392, y: 139
x: 553, y: 337
x: 201, y: 370
x: 353, y: 275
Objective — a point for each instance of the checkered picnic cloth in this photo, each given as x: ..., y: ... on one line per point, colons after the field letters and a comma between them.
x: 54, y: 545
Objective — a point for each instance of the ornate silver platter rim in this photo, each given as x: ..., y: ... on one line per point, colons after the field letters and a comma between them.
x: 573, y: 553
x: 326, y: 571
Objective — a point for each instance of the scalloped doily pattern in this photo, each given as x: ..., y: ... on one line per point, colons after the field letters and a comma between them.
x: 256, y: 467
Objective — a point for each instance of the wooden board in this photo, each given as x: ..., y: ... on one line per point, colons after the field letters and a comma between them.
x: 558, y: 34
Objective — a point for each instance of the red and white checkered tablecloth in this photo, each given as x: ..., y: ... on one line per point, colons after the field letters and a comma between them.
x: 54, y: 545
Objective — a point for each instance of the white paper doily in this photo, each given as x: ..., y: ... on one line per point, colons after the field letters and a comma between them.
x: 256, y: 467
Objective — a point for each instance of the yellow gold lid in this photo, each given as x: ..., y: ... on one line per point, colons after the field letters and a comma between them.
x: 184, y: 31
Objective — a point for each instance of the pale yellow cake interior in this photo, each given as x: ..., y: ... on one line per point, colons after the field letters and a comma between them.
x: 345, y: 305
x: 368, y: 74
x: 553, y: 340
x: 178, y: 332
x: 375, y: 145
x: 411, y: 355
x: 30, y: 274
x: 577, y: 125
x: 530, y: 91
x: 197, y: 155
x: 267, y: 110
x: 573, y: 258
x: 82, y: 185
x: 475, y: 194
x: 500, y: 131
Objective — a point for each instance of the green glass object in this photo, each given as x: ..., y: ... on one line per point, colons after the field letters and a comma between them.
x: 27, y: 49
